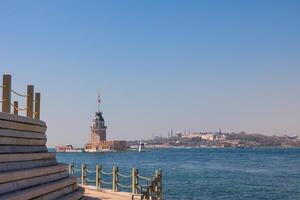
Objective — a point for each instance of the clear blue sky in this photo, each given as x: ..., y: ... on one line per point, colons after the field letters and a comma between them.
x: 186, y: 65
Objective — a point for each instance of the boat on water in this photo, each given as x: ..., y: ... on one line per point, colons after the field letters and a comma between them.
x: 141, y: 147
x: 68, y: 148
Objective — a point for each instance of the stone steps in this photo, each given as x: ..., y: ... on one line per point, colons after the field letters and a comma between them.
x: 21, y: 141
x: 5, y: 158
x: 27, y: 169
x: 29, y: 173
x: 22, y: 127
x: 42, y: 190
x: 22, y: 149
x: 32, y: 181
x: 21, y: 119
x: 21, y: 134
x: 26, y: 164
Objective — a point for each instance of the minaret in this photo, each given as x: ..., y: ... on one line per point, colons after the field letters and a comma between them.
x: 98, y: 128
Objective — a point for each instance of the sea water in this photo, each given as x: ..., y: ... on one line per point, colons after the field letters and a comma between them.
x: 207, y: 173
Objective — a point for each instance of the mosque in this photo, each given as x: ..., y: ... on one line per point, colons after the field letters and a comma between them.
x: 98, y: 142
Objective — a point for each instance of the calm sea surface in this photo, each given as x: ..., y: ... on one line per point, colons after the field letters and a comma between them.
x: 209, y: 174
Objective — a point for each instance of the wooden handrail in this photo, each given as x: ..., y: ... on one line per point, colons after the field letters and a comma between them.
x: 32, y: 99
x: 152, y: 189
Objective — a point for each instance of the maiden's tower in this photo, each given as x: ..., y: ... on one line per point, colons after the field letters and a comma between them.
x: 98, y: 142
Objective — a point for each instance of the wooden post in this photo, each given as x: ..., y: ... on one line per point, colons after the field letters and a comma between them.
x: 16, y: 106
x: 37, y: 105
x: 98, y: 176
x: 158, y: 177
x: 114, y: 179
x: 156, y: 180
x: 30, y: 91
x: 6, y: 93
x: 161, y: 184
x: 117, y: 179
x: 71, y: 168
x: 133, y: 181
x: 83, y: 174
x: 137, y: 181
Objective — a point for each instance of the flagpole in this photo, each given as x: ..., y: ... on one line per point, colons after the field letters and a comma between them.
x: 99, y: 101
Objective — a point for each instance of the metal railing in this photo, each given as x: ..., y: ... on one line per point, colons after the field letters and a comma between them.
x: 147, y: 187
x: 32, y: 102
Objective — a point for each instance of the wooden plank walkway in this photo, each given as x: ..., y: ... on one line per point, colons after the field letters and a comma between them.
x: 91, y: 193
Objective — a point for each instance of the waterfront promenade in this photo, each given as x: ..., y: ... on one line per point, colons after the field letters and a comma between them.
x: 119, y: 185
x: 105, y: 194
x: 29, y: 171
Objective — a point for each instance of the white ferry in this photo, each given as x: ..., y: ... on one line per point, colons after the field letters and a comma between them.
x: 69, y: 148
x: 139, y: 147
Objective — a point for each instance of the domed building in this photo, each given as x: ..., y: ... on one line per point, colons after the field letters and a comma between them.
x: 98, y: 142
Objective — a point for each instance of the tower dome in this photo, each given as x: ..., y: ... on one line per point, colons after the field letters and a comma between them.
x: 98, y: 121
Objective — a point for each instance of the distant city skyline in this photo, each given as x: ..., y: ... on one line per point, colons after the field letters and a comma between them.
x: 186, y: 65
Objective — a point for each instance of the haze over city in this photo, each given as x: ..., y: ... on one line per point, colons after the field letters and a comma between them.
x: 201, y: 66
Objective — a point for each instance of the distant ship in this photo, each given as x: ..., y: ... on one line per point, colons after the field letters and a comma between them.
x: 68, y: 148
x: 141, y: 147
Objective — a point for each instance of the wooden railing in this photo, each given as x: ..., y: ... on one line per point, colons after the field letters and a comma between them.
x: 152, y: 189
x: 32, y: 99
